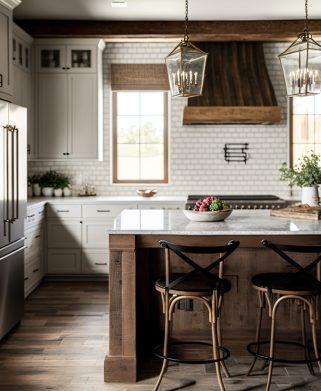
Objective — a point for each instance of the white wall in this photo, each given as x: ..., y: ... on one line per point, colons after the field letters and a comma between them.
x: 197, y: 162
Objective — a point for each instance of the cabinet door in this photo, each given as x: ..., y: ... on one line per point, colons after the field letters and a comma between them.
x: 5, y: 53
x: 52, y: 115
x: 64, y: 234
x: 94, y: 233
x: 81, y: 58
x: 51, y: 58
x: 63, y: 261
x: 83, y: 118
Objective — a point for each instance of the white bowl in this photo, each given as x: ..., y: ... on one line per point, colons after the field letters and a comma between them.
x: 219, y: 215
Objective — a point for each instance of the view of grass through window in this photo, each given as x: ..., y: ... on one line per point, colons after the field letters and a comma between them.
x: 140, y: 132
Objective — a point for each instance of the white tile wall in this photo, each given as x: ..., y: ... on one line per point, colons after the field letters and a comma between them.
x: 197, y: 162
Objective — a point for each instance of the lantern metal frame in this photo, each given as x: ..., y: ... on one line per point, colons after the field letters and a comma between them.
x: 186, y: 67
x: 303, y: 76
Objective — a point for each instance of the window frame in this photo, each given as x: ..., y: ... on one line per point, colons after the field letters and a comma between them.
x: 115, y: 179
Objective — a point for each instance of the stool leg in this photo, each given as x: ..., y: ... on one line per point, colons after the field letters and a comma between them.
x: 314, y: 333
x: 165, y: 346
x: 274, y: 309
x: 219, y: 336
x: 304, y: 340
x: 216, y: 353
x: 258, y: 330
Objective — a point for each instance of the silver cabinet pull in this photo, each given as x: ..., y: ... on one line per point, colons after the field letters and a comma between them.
x: 26, y: 278
x: 103, y: 210
x: 37, y: 236
x: 101, y: 263
x: 29, y: 217
x: 36, y: 270
x: 62, y: 211
x: 1, y: 80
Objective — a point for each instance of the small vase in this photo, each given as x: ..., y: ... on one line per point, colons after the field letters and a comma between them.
x: 57, y: 192
x: 67, y: 191
x: 310, y: 195
x: 47, y: 191
x: 36, y: 190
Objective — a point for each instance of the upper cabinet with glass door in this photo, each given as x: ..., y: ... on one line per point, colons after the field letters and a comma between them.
x: 74, y: 58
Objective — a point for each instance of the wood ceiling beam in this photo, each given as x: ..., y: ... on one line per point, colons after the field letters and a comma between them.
x: 274, y: 30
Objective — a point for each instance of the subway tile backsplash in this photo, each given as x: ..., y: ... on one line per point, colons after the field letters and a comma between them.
x: 197, y: 162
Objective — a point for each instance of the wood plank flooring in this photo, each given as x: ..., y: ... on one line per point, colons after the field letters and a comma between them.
x: 62, y: 340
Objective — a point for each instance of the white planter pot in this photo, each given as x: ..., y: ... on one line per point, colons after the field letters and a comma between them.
x: 36, y: 190
x: 310, y: 195
x: 57, y: 192
x: 67, y: 191
x: 47, y: 191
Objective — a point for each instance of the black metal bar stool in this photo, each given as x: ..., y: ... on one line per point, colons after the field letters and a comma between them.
x: 299, y: 286
x: 198, y: 284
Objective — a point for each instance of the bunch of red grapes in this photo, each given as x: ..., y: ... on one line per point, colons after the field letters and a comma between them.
x: 203, y: 205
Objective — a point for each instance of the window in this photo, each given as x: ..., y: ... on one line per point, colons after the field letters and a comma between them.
x: 140, y: 136
x: 305, y: 126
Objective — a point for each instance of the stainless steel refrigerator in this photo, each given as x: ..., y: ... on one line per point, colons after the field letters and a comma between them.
x: 13, y: 199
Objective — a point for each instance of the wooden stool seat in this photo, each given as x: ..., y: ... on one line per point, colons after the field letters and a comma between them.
x: 195, y: 285
x: 287, y: 283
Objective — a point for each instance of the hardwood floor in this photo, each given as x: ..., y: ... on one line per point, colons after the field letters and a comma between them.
x: 62, y: 340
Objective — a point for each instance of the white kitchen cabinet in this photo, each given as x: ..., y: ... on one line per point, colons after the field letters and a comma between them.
x: 69, y: 101
x: 34, y: 251
x: 94, y: 261
x: 64, y: 233
x: 23, y: 80
x: 60, y: 57
x: 6, y: 76
x: 63, y: 261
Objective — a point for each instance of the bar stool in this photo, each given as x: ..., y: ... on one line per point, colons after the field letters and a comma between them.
x: 276, y: 288
x: 198, y: 284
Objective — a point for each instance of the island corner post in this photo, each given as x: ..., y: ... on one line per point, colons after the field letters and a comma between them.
x: 127, y: 251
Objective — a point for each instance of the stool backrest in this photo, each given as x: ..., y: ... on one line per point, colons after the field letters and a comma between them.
x: 283, y: 249
x: 220, y: 253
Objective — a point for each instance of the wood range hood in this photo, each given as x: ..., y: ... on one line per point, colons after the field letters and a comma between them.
x: 237, y: 88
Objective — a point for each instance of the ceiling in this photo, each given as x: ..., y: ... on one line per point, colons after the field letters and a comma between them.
x: 167, y: 10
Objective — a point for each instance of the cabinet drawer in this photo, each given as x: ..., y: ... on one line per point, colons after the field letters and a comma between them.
x: 33, y: 243
x: 94, y: 261
x: 34, y: 215
x: 33, y: 275
x: 61, y: 210
x: 63, y: 261
x: 103, y: 211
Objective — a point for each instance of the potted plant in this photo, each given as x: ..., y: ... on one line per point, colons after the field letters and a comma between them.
x: 33, y: 181
x: 307, y: 175
x: 47, y: 182
x: 61, y: 182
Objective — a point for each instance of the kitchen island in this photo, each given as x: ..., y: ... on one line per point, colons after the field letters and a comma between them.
x: 136, y: 261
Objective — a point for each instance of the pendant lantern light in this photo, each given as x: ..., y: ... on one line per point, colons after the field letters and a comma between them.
x: 301, y: 64
x: 186, y: 67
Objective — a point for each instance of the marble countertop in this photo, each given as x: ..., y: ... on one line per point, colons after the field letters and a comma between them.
x: 174, y: 222
x: 35, y: 201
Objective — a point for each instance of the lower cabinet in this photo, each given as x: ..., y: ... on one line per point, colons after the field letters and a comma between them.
x: 34, y: 248
x: 64, y: 261
x: 94, y: 261
x: 77, y: 238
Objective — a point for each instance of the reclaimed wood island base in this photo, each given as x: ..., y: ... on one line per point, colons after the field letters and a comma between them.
x: 136, y: 261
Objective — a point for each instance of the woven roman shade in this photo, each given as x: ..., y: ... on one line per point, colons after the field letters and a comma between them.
x: 139, y: 77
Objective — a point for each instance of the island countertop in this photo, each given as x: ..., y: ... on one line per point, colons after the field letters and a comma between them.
x: 174, y: 222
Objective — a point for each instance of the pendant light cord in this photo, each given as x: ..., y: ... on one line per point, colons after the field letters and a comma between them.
x: 306, y: 28
x: 186, y: 21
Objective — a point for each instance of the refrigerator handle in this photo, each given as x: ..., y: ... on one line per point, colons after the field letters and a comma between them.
x: 15, y: 175
x: 6, y: 182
